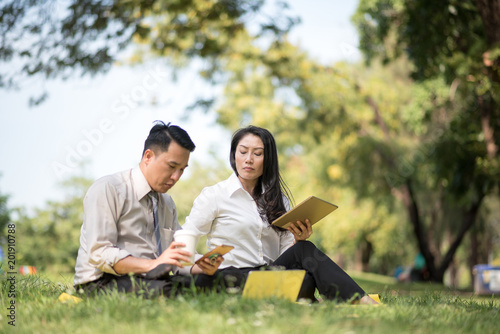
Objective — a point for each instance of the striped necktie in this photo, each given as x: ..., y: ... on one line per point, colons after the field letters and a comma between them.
x: 154, y: 200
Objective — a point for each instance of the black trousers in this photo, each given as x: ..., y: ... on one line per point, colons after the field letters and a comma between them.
x: 160, y: 283
x: 321, y: 273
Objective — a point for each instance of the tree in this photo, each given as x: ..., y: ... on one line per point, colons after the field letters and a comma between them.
x: 51, y: 235
x: 453, y: 44
x: 60, y: 38
x: 459, y: 40
x: 4, y: 212
x: 4, y: 220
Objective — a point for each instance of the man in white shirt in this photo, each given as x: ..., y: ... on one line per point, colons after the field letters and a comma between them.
x: 129, y: 221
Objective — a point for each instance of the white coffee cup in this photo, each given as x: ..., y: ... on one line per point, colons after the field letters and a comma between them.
x: 189, y: 239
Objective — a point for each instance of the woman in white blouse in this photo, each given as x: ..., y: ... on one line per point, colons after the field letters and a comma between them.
x: 238, y: 212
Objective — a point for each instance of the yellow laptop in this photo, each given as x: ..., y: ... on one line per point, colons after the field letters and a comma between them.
x: 274, y: 284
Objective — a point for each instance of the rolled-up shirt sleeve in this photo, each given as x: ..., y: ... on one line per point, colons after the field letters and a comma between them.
x: 101, y: 207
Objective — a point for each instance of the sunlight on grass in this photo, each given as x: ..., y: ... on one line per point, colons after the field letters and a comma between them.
x: 433, y: 307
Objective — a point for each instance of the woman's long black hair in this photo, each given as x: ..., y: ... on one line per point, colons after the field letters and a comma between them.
x: 270, y: 188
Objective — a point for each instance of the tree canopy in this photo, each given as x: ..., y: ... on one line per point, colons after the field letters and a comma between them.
x: 57, y: 39
x: 454, y: 50
x: 458, y: 41
x: 4, y: 217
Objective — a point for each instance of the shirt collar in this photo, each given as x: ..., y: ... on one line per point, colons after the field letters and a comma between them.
x: 140, y: 184
x: 234, y: 184
x: 142, y: 189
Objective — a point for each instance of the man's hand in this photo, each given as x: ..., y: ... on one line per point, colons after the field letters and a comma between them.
x: 173, y: 255
x: 207, y: 266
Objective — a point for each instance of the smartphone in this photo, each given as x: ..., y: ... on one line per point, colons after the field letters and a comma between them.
x: 215, y: 253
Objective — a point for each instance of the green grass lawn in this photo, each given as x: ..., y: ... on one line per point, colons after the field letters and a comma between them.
x: 407, y: 308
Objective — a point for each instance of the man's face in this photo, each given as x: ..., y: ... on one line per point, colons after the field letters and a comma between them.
x: 163, y: 170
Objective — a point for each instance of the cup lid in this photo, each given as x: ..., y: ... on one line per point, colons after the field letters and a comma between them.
x: 184, y: 232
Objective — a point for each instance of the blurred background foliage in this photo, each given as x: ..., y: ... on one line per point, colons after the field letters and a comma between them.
x: 405, y: 142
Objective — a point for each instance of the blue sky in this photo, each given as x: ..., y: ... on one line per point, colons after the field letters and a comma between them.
x: 104, y: 120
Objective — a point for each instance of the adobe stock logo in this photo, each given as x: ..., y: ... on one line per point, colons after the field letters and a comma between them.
x: 120, y: 110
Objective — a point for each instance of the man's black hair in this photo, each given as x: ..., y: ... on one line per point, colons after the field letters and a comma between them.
x: 161, y: 135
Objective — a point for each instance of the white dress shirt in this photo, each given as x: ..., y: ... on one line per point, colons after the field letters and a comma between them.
x: 118, y: 222
x: 228, y: 215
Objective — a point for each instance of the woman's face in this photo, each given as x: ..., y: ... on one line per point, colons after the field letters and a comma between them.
x: 249, y: 158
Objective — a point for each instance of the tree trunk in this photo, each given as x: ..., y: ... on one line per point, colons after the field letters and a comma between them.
x: 436, y: 272
x: 363, y: 255
x: 358, y: 262
x: 470, y: 217
x: 453, y: 271
x: 405, y: 191
x: 490, y: 14
x: 435, y: 217
x: 419, y: 232
x: 473, y: 255
x: 340, y: 259
x: 366, y: 253
x: 486, y: 108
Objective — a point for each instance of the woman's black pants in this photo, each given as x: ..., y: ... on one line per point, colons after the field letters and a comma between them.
x: 321, y: 273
